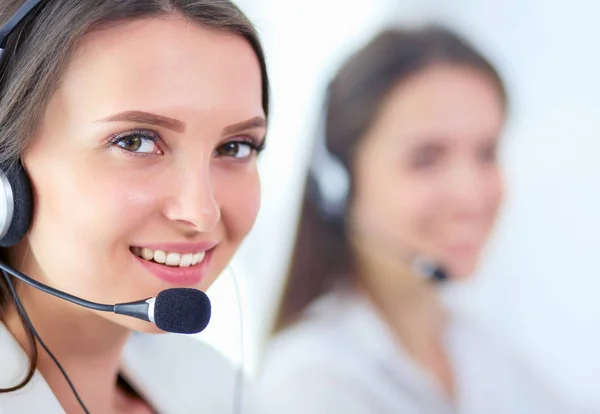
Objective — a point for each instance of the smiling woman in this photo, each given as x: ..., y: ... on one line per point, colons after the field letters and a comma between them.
x: 137, y: 124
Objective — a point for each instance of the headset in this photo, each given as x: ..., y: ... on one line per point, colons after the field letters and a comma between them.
x: 176, y: 310
x: 328, y: 185
x: 329, y: 188
x: 16, y: 197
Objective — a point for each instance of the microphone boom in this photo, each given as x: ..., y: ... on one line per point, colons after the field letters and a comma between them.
x: 176, y: 310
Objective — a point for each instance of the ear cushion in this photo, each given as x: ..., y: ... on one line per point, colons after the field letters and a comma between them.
x: 329, y: 211
x: 23, y: 204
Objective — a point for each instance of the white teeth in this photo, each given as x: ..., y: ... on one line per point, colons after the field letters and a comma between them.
x: 147, y: 253
x: 169, y: 258
x: 186, y: 260
x: 160, y: 256
x: 173, y: 259
x: 197, y: 258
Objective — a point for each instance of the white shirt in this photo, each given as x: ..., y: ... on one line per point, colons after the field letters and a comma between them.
x: 174, y: 373
x: 341, y: 358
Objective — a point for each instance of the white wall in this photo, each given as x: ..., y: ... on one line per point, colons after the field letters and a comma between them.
x: 540, y: 287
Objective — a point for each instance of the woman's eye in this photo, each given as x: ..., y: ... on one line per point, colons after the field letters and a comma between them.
x: 140, y: 143
x: 237, y: 149
x: 425, y: 158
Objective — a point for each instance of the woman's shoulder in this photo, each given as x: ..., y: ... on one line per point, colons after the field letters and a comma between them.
x: 329, y: 361
x: 183, y: 373
x: 36, y: 396
x: 323, y: 326
x: 305, y: 370
x: 339, y: 336
x: 477, y: 349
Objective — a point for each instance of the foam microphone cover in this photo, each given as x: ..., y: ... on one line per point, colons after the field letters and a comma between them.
x: 182, y: 310
x: 439, y: 275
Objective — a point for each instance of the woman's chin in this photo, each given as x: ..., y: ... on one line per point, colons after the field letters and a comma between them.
x: 463, y: 270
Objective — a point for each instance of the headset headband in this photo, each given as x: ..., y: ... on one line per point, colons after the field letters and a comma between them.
x: 16, y: 197
x: 14, y: 21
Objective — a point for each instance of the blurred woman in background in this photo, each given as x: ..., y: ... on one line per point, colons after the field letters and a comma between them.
x: 403, y: 192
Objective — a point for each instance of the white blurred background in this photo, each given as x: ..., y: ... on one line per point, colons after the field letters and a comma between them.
x: 540, y: 287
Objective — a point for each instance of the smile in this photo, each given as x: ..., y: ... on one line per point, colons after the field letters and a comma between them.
x: 179, y: 264
x: 173, y: 259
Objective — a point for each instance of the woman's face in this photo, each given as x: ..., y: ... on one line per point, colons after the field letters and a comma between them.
x: 144, y: 170
x: 427, y: 177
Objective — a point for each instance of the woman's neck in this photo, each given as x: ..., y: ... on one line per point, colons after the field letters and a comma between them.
x: 410, y: 306
x: 88, y: 347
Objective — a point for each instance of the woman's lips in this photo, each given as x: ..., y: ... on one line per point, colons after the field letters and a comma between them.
x: 186, y: 266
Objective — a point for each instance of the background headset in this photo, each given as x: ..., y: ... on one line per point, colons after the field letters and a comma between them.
x: 329, y: 189
x: 329, y: 184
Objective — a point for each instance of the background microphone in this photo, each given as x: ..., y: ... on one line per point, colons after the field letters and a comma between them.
x: 429, y: 269
x: 176, y: 310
